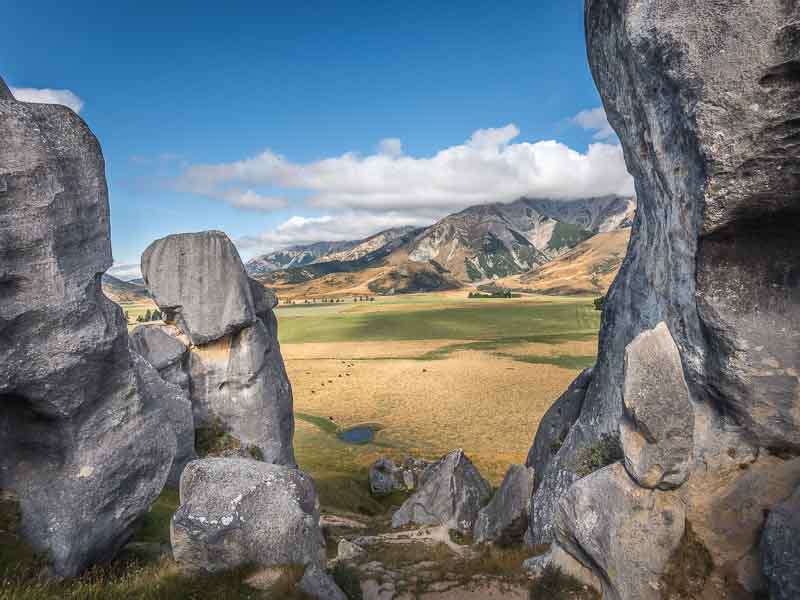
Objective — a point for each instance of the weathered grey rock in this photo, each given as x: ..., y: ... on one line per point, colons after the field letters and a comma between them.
x: 347, y: 550
x: 167, y: 349
x: 235, y: 512
x: 625, y: 533
x: 176, y: 411
x: 707, y: 119
x: 557, y: 422
x: 83, y: 445
x: 780, y: 549
x: 557, y: 557
x: 451, y: 493
x: 234, y: 370
x: 199, y: 282
x: 160, y: 347
x: 241, y: 379
x: 505, y: 519
x: 318, y: 584
x: 384, y: 477
x: 657, y: 431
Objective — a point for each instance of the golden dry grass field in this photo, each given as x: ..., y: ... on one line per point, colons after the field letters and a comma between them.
x: 432, y: 373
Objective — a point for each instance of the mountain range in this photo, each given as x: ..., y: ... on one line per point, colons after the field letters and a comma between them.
x: 476, y: 245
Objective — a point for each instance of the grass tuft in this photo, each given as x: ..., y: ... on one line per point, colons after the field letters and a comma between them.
x: 554, y: 584
x: 605, y: 452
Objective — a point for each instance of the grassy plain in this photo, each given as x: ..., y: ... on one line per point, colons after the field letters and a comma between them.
x: 432, y: 373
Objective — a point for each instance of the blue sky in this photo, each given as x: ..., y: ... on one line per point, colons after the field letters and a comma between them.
x: 281, y: 124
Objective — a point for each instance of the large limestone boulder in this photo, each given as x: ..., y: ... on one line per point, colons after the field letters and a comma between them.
x: 451, y: 493
x: 505, y: 519
x: 624, y: 532
x: 707, y: 119
x: 84, y: 445
x: 780, y: 549
x: 236, y: 512
x: 233, y: 368
x: 657, y: 430
x: 199, y: 282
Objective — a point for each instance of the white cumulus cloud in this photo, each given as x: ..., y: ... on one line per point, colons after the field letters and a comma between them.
x: 351, y: 225
x: 595, y: 119
x: 48, y: 96
x: 488, y: 167
x: 125, y: 271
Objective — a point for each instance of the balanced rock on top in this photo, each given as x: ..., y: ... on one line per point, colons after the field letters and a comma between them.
x: 234, y: 367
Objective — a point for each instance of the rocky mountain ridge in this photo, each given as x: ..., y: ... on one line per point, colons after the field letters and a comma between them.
x: 479, y: 243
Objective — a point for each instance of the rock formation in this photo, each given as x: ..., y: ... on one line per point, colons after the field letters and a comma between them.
x: 780, y: 549
x: 238, y: 512
x: 451, y: 493
x: 386, y: 476
x: 505, y: 519
x: 233, y: 368
x: 84, y: 444
x: 703, y: 96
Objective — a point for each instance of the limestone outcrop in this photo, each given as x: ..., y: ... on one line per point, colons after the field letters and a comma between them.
x: 84, y: 445
x: 703, y: 96
x: 504, y: 520
x: 451, y: 493
x: 238, y: 512
x: 780, y: 549
x: 386, y: 476
x: 626, y: 532
x: 233, y: 367
x: 657, y: 428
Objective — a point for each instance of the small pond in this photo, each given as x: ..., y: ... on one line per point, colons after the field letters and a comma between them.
x: 360, y: 434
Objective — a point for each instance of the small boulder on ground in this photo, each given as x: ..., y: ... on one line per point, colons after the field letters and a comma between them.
x: 386, y: 476
x: 657, y: 430
x: 505, y: 519
x: 780, y: 549
x: 237, y: 512
x: 451, y: 493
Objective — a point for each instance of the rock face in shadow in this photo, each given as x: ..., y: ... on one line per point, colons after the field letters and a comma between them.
x: 504, y: 520
x: 703, y: 96
x: 451, y: 492
x: 780, y: 549
x: 233, y: 368
x: 83, y: 445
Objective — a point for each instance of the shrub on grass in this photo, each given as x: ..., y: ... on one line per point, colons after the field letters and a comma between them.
x: 606, y: 451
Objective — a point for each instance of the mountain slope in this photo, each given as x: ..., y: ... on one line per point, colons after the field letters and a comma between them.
x: 499, y: 240
x: 588, y: 268
x: 319, y: 252
x: 296, y: 256
x: 122, y: 291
